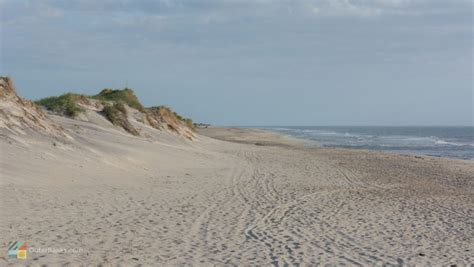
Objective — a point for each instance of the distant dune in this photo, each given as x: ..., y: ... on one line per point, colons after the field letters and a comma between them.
x: 109, y: 182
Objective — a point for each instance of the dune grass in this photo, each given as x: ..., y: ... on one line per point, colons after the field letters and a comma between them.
x: 126, y: 96
x: 64, y: 104
x: 166, y: 110
x: 117, y: 115
x: 114, y: 110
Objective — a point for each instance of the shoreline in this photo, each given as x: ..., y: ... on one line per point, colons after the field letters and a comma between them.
x: 237, y: 135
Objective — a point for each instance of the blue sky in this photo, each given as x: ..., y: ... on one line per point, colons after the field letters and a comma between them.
x: 261, y: 62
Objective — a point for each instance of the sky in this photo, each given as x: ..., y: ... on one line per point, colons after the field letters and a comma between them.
x: 248, y: 63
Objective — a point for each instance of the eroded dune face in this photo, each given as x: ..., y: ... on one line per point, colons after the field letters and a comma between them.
x: 19, y: 116
x: 163, y: 118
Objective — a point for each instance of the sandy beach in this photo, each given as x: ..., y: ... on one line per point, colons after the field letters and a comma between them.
x: 230, y: 197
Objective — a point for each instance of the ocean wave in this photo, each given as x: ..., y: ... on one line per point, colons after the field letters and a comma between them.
x: 432, y: 140
x: 318, y: 132
x: 447, y: 143
x: 459, y: 145
x: 280, y: 129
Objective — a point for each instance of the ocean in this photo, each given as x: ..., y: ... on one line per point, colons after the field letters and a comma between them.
x: 451, y: 142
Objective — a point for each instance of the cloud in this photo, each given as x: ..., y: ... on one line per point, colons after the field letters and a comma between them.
x: 209, y: 10
x: 347, y: 8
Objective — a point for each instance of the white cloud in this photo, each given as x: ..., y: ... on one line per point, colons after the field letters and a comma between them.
x: 362, y: 8
x: 223, y: 9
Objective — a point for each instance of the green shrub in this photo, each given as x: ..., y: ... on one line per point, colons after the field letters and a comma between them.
x: 63, y: 104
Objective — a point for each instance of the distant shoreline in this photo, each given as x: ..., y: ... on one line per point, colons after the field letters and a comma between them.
x: 257, y: 136
x: 457, y: 143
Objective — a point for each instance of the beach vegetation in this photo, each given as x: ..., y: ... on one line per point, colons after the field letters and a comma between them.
x: 114, y: 104
x: 66, y: 104
x: 166, y: 111
x: 117, y: 115
x: 126, y: 96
